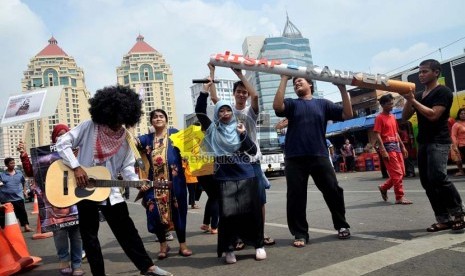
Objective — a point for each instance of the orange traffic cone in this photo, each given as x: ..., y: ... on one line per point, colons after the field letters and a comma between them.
x: 15, y: 237
x: 36, y: 205
x: 8, y: 264
x: 39, y: 235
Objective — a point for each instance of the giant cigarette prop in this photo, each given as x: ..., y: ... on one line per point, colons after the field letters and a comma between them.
x: 314, y: 72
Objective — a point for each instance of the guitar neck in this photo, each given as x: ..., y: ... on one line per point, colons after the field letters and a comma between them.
x: 132, y: 183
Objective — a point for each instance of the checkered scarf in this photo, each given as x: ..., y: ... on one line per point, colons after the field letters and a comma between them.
x: 107, y: 142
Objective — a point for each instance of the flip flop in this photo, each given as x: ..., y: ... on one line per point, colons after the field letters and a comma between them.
x: 343, y: 233
x: 299, y: 243
x: 268, y: 241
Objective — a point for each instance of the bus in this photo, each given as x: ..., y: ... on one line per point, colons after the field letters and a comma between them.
x: 272, y: 159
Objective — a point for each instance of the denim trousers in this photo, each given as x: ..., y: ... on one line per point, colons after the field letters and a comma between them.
x: 298, y: 170
x: 62, y: 245
x: 441, y: 192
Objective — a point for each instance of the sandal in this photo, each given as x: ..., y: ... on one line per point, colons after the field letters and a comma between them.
x: 343, y: 233
x: 163, y: 254
x: 436, y: 227
x: 239, y: 245
x: 78, y: 272
x: 185, y: 252
x: 65, y: 269
x: 299, y: 243
x: 383, y: 193
x: 403, y: 201
x: 213, y: 231
x: 268, y: 241
x: 205, y: 228
x: 458, y: 223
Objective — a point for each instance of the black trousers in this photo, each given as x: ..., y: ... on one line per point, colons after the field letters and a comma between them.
x: 122, y: 226
x: 20, y: 212
x: 212, y: 209
x: 298, y: 169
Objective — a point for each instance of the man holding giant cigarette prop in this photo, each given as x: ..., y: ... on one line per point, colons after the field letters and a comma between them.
x: 242, y: 90
x: 314, y: 72
x: 433, y: 110
x: 306, y: 154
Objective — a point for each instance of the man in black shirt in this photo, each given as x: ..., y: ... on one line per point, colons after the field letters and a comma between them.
x: 433, y: 107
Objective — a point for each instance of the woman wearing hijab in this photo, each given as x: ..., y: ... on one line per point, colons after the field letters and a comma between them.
x: 240, y: 211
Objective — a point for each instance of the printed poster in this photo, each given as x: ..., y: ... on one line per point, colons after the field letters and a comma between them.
x: 51, y: 218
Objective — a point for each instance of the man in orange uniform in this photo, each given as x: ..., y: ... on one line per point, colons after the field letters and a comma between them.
x: 391, y: 149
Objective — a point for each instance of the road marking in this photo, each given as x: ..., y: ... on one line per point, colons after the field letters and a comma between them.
x: 333, y: 232
x: 389, y: 256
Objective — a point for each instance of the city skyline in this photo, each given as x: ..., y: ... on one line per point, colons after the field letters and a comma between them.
x: 374, y: 37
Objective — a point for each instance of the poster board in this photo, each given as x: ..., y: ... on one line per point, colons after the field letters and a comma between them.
x: 51, y: 218
x: 30, y: 105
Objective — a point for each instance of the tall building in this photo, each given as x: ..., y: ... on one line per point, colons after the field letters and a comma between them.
x: 145, y: 70
x: 50, y: 67
x: 224, y: 90
x: 291, y: 48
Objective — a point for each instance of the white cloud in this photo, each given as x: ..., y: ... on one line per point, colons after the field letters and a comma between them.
x: 349, y: 35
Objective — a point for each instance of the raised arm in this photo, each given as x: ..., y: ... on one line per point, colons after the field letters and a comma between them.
x: 278, y: 102
x: 201, y: 107
x: 212, y: 87
x: 346, y: 104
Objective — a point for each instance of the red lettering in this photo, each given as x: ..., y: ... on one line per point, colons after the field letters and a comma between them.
x: 275, y: 62
x: 249, y: 61
x: 236, y: 59
x: 263, y: 61
x: 225, y: 57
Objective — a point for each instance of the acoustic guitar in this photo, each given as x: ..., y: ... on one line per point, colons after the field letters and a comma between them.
x: 62, y: 191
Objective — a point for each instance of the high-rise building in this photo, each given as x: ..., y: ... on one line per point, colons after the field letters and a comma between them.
x: 290, y: 48
x: 224, y: 90
x: 50, y: 67
x: 145, y: 70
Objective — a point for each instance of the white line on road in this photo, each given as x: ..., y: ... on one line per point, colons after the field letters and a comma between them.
x: 389, y: 256
x: 333, y: 232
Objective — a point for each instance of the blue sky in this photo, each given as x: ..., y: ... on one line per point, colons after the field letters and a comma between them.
x: 357, y: 35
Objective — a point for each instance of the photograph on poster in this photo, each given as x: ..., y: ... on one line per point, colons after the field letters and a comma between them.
x: 24, y: 106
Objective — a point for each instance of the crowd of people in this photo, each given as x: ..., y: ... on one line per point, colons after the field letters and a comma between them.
x: 236, y: 188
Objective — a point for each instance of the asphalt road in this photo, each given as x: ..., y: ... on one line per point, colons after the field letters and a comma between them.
x: 387, y: 239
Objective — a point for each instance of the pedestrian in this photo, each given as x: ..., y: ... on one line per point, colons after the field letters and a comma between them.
x: 192, y: 184
x: 392, y: 150
x: 306, y: 154
x: 248, y: 115
x: 240, y: 210
x: 67, y: 240
x: 13, y: 191
x: 432, y: 106
x: 458, y: 140
x: 102, y: 141
x: 165, y: 163
x: 348, y: 153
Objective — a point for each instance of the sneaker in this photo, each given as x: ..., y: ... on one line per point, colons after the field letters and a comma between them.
x: 260, y: 254
x: 169, y: 236
x: 230, y: 258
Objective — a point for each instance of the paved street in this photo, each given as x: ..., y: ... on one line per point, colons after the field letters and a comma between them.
x: 387, y: 239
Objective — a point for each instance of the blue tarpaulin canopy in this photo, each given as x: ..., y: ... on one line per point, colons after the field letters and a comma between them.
x: 356, y: 123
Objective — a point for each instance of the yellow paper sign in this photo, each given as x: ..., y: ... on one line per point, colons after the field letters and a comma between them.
x: 188, y: 142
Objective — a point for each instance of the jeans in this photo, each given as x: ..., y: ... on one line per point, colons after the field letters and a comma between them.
x: 298, y: 169
x: 60, y: 237
x: 442, y: 194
